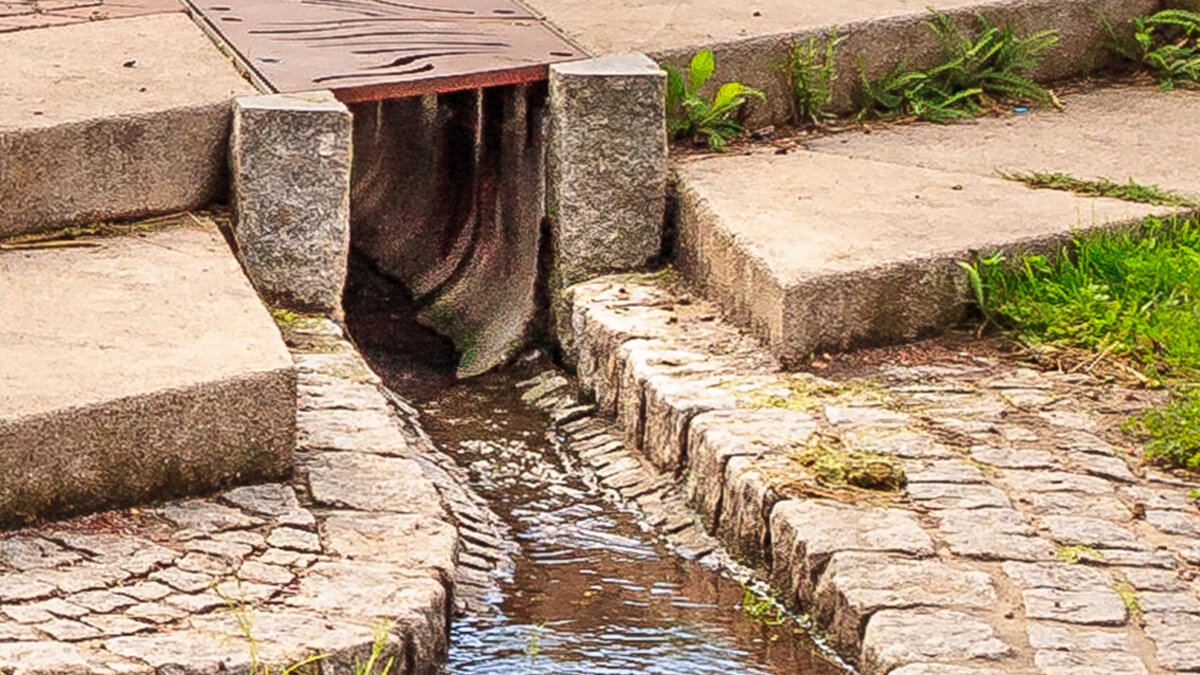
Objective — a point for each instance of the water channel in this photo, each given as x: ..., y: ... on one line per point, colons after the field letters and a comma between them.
x: 591, y: 591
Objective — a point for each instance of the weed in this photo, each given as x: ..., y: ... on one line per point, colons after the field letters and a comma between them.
x: 812, y: 69
x: 1128, y: 295
x: 1076, y: 554
x: 1173, y: 433
x: 240, y: 610
x: 1130, y: 597
x: 1102, y: 187
x: 1167, y: 43
x: 690, y: 115
x: 762, y: 610
x: 383, y: 631
x: 975, y: 72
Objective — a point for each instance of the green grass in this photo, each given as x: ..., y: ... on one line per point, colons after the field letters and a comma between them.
x: 1102, y: 187
x: 692, y: 116
x: 812, y: 70
x: 976, y: 72
x: 1130, y: 295
x: 1167, y: 44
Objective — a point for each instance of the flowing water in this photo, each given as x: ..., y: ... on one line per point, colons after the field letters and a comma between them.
x: 591, y: 591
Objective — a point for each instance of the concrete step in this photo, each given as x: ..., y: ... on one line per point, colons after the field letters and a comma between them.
x: 751, y: 40
x: 141, y: 368
x: 855, y: 241
x: 111, y: 119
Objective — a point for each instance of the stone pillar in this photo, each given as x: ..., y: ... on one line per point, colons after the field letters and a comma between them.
x: 607, y: 171
x: 290, y: 160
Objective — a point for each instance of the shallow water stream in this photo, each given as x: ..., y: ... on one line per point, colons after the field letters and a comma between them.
x: 591, y: 591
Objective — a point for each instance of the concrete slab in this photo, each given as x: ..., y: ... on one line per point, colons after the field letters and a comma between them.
x: 111, y: 119
x: 1121, y: 133
x: 816, y: 251
x: 751, y: 40
x: 664, y: 25
x: 24, y: 14
x: 143, y: 368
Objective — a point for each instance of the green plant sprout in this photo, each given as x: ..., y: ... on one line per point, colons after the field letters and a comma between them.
x: 1166, y: 43
x: 690, y: 115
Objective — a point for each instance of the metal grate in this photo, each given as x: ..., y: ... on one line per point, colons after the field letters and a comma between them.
x: 368, y: 50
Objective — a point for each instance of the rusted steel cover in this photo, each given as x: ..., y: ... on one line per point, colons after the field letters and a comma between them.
x: 367, y: 50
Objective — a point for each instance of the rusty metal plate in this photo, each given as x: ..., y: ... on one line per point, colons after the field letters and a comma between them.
x: 366, y: 50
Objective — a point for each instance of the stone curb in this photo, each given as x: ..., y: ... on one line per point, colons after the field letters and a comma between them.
x: 962, y: 573
x: 361, y: 538
x: 883, y: 43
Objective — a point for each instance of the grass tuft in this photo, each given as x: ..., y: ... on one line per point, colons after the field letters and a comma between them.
x: 1102, y: 187
x: 1130, y: 295
x: 976, y: 73
x: 812, y: 69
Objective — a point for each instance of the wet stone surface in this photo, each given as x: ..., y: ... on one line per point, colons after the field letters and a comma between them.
x: 1061, y: 549
x: 160, y: 589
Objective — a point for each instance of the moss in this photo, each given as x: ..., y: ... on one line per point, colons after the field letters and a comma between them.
x: 1076, y: 554
x: 805, y: 394
x: 824, y: 466
x: 1130, y: 597
x: 289, y: 320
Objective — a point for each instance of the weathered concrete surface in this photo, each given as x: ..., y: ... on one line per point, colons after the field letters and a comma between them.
x: 145, y: 367
x: 290, y: 165
x: 1116, y: 134
x: 751, y: 41
x: 111, y: 119
x: 150, y: 592
x: 1011, y: 551
x: 814, y: 251
x: 25, y: 14
x: 606, y: 169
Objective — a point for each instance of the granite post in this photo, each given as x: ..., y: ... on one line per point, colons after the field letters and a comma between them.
x: 607, y: 172
x: 290, y: 162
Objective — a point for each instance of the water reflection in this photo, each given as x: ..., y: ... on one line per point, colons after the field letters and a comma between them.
x: 591, y: 592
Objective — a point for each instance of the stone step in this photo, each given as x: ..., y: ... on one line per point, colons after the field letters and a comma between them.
x: 111, y: 119
x: 856, y: 239
x: 751, y: 40
x: 140, y: 368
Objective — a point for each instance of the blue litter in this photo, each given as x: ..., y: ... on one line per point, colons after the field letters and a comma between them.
x: 1021, y: 110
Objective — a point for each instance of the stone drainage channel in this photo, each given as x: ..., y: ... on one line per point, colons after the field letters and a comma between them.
x: 580, y: 580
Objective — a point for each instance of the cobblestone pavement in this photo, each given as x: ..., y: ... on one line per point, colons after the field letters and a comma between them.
x: 363, y: 535
x: 1031, y: 537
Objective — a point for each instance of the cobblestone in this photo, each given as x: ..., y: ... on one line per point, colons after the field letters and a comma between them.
x: 1004, y: 463
x: 148, y: 591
